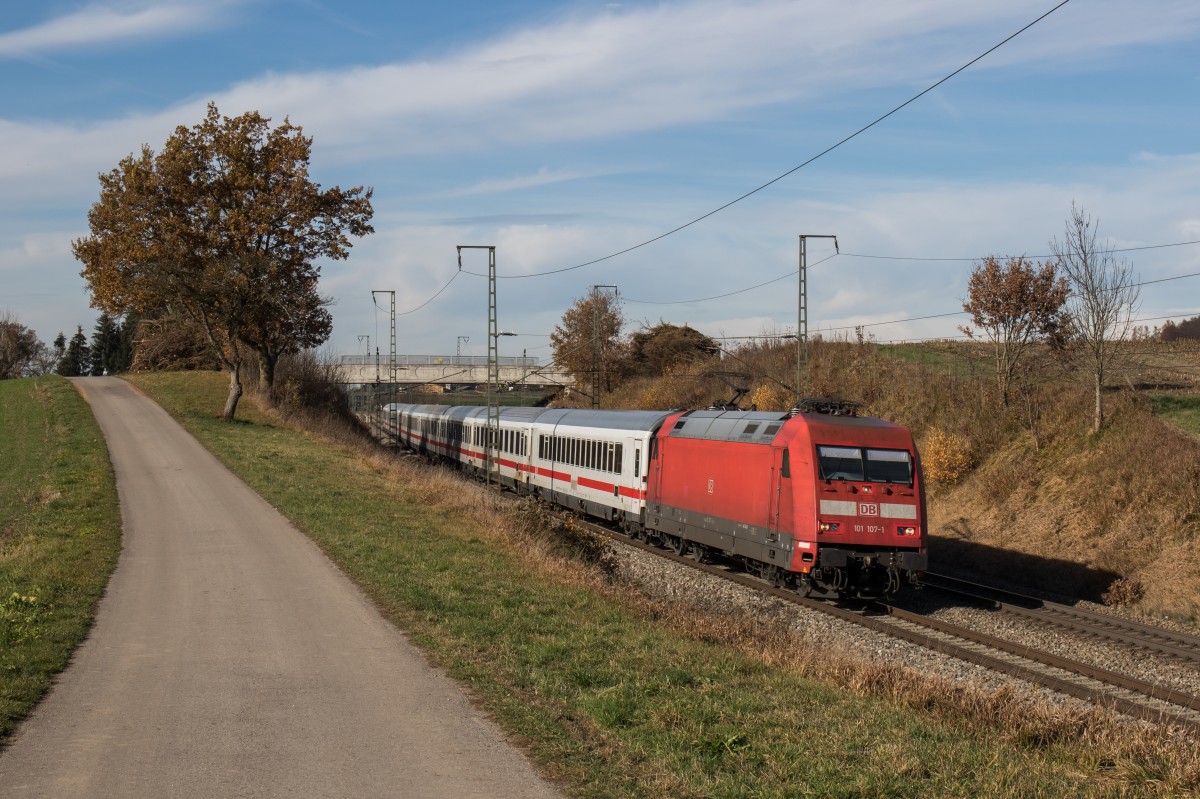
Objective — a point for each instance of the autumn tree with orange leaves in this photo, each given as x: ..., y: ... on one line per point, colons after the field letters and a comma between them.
x: 224, y: 226
x: 1015, y: 304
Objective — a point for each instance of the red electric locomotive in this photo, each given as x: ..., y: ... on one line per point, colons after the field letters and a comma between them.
x: 826, y: 502
x: 821, y: 500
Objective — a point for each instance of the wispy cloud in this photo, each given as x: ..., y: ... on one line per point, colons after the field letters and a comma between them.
x: 543, y: 177
x: 110, y: 24
x: 619, y: 72
x: 627, y: 71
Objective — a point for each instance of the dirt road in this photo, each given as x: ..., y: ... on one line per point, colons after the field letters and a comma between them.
x: 231, y: 659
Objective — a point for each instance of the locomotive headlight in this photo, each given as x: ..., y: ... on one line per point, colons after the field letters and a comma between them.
x: 828, y: 527
x: 906, y: 531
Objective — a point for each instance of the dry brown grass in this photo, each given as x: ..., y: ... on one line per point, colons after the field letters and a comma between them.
x: 1021, y: 492
x: 1032, y: 511
x: 566, y: 553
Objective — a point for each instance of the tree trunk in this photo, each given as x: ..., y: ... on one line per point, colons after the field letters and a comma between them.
x: 266, y: 370
x: 235, y: 391
x: 1098, y: 420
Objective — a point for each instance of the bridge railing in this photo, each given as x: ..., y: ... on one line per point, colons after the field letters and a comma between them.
x: 436, y: 360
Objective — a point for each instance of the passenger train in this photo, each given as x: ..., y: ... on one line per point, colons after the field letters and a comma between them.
x: 823, y: 501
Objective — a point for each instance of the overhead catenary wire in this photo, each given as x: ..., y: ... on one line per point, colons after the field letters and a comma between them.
x: 1032, y: 257
x: 829, y: 149
x: 798, y: 167
x: 731, y: 293
x: 431, y: 299
x: 906, y: 258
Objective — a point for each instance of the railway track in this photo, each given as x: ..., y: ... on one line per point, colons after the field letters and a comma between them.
x: 1134, y: 635
x: 1127, y: 695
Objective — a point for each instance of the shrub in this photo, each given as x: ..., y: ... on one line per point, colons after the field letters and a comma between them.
x: 1124, y: 592
x: 945, y: 457
x: 771, y: 397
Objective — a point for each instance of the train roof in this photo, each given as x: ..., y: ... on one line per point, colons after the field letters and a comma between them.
x: 755, y: 427
x: 758, y: 427
x: 646, y: 421
x: 642, y: 421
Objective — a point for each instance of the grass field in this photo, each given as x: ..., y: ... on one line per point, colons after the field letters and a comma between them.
x: 60, y: 533
x: 611, y: 696
x: 1182, y: 410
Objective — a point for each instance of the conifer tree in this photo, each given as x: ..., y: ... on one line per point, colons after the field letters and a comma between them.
x: 77, y: 360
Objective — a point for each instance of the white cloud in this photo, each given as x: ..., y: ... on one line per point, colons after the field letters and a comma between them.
x: 110, y: 24
x: 591, y: 78
x: 631, y: 70
x: 543, y: 177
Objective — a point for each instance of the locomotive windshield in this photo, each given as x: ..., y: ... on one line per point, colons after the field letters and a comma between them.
x: 865, y: 465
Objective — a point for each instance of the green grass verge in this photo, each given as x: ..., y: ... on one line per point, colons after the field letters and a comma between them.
x: 611, y: 702
x: 60, y: 534
x: 1183, y: 411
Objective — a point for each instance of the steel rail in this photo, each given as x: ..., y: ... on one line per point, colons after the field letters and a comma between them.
x: 1095, y: 695
x: 1098, y: 696
x: 1133, y: 634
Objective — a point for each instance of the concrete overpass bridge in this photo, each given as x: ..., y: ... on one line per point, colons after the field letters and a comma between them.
x: 446, y: 370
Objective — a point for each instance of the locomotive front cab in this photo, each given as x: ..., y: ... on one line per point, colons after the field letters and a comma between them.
x: 867, y: 534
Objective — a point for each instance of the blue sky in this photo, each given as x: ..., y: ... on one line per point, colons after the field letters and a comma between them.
x: 564, y: 132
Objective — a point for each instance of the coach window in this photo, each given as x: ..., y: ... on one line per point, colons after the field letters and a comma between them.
x: 637, y: 461
x: 786, y: 469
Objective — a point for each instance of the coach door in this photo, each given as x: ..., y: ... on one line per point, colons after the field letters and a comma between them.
x: 654, y: 484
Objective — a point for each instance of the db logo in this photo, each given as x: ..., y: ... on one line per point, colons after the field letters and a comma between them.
x: 868, y: 509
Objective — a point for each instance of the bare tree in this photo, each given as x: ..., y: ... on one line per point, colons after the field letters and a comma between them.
x: 1015, y: 304
x: 1103, y: 301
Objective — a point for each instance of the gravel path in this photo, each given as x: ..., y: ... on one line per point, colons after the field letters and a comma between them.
x: 230, y: 658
